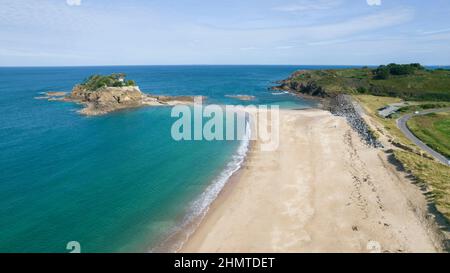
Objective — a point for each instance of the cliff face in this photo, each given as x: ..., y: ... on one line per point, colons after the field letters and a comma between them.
x: 308, y: 88
x: 302, y: 82
x: 107, y: 99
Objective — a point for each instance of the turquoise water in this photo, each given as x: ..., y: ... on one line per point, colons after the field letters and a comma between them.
x: 115, y: 183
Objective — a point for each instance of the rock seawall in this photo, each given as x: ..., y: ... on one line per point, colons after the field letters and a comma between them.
x: 342, y: 105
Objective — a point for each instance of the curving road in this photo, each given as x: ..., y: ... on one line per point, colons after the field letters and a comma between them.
x: 401, y: 124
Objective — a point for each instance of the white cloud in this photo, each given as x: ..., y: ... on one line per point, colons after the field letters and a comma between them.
x: 305, y: 5
x: 285, y: 47
x: 248, y: 48
x: 436, y: 31
x: 73, y: 2
x: 374, y: 2
x: 7, y: 52
x: 363, y: 24
x: 329, y: 42
x: 321, y: 34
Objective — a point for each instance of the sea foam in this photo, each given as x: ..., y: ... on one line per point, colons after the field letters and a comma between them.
x: 200, y: 206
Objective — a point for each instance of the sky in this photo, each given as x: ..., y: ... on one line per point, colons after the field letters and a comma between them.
x: 170, y: 32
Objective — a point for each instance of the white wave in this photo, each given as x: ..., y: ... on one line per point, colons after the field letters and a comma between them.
x: 202, y: 203
x: 280, y: 93
x: 199, y: 207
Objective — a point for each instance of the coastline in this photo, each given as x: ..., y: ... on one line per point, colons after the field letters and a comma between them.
x: 199, y: 208
x: 319, y: 184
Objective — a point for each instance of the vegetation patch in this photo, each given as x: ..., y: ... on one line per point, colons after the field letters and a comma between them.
x: 428, y: 172
x: 422, y: 106
x: 383, y: 72
x: 96, y: 82
x: 409, y: 82
x: 431, y: 174
x: 371, y: 104
x: 433, y: 130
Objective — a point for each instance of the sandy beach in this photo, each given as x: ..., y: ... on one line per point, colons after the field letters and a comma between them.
x: 322, y: 190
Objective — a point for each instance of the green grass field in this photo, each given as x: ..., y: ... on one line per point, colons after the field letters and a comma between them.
x: 433, y: 130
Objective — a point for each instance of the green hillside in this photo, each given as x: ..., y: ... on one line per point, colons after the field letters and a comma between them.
x: 410, y: 82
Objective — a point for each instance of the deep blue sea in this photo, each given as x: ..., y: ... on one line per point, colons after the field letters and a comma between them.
x: 119, y: 182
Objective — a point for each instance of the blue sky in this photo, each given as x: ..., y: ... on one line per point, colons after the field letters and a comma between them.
x: 113, y: 32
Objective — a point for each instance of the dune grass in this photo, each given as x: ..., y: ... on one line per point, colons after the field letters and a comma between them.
x: 371, y: 104
x: 433, y: 175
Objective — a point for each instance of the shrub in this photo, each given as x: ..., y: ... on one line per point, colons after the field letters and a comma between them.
x: 361, y: 90
x: 96, y: 82
x: 401, y: 69
x: 382, y: 72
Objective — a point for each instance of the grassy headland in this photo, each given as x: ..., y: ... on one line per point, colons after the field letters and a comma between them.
x: 409, y: 82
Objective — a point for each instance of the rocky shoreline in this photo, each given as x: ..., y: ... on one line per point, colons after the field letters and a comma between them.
x: 310, y: 88
x: 338, y: 104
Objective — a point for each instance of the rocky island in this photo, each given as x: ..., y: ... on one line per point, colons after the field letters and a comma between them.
x: 104, y: 94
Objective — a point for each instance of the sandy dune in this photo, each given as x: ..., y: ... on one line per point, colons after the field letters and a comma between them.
x: 323, y: 190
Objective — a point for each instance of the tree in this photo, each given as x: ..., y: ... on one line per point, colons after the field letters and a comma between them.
x: 401, y: 69
x: 382, y: 73
x: 96, y: 82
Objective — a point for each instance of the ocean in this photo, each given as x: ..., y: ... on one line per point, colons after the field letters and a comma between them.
x: 119, y: 182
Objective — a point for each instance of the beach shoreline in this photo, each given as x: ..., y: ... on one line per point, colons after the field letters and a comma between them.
x: 317, y: 185
x: 194, y: 215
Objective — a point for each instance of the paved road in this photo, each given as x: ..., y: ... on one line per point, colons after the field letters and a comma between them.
x: 401, y: 124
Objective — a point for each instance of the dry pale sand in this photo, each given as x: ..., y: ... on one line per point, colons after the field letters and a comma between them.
x: 322, y: 190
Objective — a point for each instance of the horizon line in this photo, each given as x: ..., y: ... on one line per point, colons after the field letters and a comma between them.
x: 137, y: 65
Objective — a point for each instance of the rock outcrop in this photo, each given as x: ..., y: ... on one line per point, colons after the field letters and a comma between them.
x: 107, y: 99
x: 307, y: 85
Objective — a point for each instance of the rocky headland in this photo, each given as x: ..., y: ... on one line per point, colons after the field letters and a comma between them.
x: 307, y: 86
